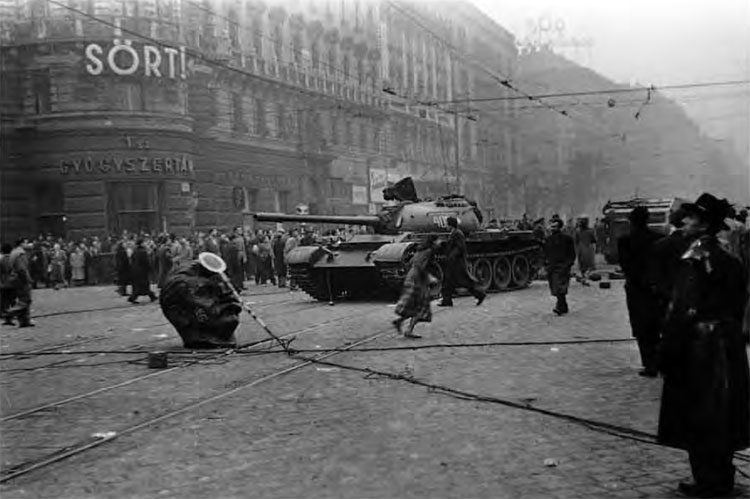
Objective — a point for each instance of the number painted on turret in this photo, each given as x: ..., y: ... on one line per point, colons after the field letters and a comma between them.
x: 441, y: 221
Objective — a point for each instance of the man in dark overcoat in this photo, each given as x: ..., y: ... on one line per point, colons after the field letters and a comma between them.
x: 279, y: 262
x: 20, y: 278
x: 560, y: 254
x: 140, y: 267
x: 122, y: 268
x: 234, y: 251
x: 636, y: 252
x: 705, y: 406
x: 456, y: 271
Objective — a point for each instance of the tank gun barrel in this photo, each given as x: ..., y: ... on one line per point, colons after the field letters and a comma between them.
x: 370, y: 220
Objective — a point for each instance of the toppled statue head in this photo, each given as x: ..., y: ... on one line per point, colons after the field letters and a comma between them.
x: 200, y: 305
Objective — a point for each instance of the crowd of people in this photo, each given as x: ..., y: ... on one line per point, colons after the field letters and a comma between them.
x: 136, y: 261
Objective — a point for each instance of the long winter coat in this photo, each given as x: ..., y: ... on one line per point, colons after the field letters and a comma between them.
x: 456, y: 265
x: 122, y: 265
x: 279, y: 262
x: 636, y: 252
x: 415, y: 295
x: 560, y: 254
x: 585, y: 242
x: 140, y: 266
x: 706, y: 397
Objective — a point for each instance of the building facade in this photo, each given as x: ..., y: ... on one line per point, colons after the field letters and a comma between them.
x: 181, y: 115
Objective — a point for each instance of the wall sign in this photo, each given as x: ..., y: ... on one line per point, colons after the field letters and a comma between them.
x: 167, y: 165
x: 126, y: 59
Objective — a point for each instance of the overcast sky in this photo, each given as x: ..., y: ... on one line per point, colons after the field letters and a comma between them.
x: 659, y: 42
x: 648, y: 41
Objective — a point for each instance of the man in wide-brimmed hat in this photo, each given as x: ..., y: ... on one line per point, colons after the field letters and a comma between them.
x: 705, y: 407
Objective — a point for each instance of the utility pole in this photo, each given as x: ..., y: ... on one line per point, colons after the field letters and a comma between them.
x: 457, y: 153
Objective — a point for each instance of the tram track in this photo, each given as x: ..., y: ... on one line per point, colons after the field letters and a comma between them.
x: 205, y: 356
x: 49, y: 350
x: 80, y: 447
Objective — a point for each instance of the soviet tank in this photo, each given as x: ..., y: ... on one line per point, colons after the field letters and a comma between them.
x: 366, y: 264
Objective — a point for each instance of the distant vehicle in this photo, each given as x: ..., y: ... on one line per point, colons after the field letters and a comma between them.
x: 617, y: 224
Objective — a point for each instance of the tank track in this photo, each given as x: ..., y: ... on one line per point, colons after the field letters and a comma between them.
x: 302, y: 275
x: 393, y: 274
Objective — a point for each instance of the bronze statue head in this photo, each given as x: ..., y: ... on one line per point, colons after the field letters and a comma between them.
x: 200, y: 305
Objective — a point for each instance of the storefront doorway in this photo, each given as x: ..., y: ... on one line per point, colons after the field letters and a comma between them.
x: 134, y: 206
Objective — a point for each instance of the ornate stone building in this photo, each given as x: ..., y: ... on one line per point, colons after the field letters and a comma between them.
x: 187, y: 114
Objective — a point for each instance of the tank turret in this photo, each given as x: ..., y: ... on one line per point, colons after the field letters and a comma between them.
x: 407, y: 216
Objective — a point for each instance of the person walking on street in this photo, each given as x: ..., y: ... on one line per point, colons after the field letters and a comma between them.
x: 456, y: 273
x: 139, y: 272
x: 122, y: 266
x: 705, y: 404
x: 636, y: 252
x: 7, y: 287
x: 585, y: 242
x: 21, y: 280
x: 560, y: 254
x: 414, y: 302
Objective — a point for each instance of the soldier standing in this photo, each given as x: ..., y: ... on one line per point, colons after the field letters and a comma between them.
x: 21, y: 280
x: 636, y: 259
x: 705, y: 405
x: 560, y: 254
x: 456, y: 273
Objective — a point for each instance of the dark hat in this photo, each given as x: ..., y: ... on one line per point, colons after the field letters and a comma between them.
x: 710, y: 209
x: 452, y: 221
x: 639, y: 215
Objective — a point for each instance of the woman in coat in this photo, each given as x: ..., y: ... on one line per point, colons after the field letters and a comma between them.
x: 140, y: 269
x: 78, y: 266
x: 705, y: 406
x: 414, y: 303
x: 585, y: 242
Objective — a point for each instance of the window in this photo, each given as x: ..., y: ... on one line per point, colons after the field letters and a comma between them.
x: 41, y: 83
x: 134, y: 206
x: 315, y: 56
x: 233, y: 27
x: 297, y: 48
x: 257, y: 31
x: 281, y: 127
x: 346, y: 66
x: 261, y: 127
x: 237, y: 116
x: 278, y: 43
x: 283, y: 201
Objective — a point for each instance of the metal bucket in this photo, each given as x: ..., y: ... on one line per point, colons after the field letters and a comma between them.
x: 157, y: 360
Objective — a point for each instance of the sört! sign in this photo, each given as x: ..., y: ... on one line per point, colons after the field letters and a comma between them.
x: 126, y: 59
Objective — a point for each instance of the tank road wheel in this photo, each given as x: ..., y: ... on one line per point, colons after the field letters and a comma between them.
x: 436, y: 285
x: 501, y: 274
x: 483, y: 273
x: 521, y: 271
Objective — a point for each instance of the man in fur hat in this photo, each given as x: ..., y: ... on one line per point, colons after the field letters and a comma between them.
x: 705, y: 406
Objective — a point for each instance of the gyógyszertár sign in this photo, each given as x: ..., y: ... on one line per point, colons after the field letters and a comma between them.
x: 161, y: 165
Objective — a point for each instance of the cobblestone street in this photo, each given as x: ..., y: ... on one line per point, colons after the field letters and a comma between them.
x: 320, y: 430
